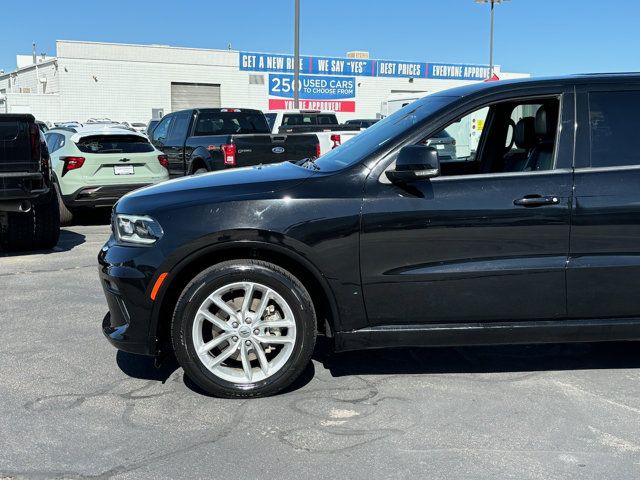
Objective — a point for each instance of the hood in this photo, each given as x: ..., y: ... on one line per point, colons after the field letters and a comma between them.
x: 210, y: 187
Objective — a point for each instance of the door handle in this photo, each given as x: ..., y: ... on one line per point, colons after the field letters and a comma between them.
x: 536, y: 201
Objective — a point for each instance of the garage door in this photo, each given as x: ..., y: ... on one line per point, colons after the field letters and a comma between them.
x: 194, y: 95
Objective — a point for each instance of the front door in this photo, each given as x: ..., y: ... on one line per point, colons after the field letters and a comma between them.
x: 488, y: 239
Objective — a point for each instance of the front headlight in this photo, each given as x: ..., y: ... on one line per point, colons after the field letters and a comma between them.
x: 136, y: 229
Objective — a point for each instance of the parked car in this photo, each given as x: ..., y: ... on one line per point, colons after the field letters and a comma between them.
x: 379, y: 244
x: 95, y: 165
x: 207, y: 139
x: 362, y: 122
x: 99, y: 120
x: 28, y: 203
x: 68, y: 124
x: 42, y: 126
x: 445, y: 146
x: 152, y: 125
x: 137, y: 126
x: 324, y: 124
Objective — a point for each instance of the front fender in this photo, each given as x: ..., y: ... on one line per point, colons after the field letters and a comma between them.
x: 215, y: 245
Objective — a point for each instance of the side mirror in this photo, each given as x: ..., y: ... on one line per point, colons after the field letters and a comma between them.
x: 415, y: 162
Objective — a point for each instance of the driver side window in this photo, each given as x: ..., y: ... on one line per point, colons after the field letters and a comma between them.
x: 516, y: 136
x: 161, y: 131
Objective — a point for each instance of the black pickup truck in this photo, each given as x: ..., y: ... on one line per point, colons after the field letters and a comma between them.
x: 29, y: 214
x: 207, y: 139
x: 309, y: 121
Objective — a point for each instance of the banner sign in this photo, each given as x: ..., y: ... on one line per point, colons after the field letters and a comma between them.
x: 318, y: 87
x: 277, y: 63
x: 459, y: 72
x: 326, y: 105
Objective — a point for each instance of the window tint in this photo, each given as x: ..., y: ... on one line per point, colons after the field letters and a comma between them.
x: 230, y: 123
x: 9, y: 131
x: 309, y: 119
x: 161, y: 131
x: 271, y: 119
x: 327, y: 120
x: 297, y: 120
x: 614, y: 128
x: 178, y: 132
x: 114, y: 144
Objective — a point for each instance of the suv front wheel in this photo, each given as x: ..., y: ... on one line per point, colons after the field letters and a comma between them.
x: 244, y: 328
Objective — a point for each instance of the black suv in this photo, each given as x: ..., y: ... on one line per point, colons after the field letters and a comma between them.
x: 530, y: 234
x: 29, y: 214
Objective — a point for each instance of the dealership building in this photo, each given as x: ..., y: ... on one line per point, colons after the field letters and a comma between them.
x: 138, y: 82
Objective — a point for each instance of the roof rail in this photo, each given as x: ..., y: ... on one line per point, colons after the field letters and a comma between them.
x: 66, y: 129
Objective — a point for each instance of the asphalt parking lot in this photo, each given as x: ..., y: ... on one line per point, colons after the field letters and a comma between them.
x: 71, y: 406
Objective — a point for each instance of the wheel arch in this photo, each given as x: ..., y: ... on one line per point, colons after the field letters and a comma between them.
x: 184, y: 271
x: 195, y: 163
x: 200, y: 156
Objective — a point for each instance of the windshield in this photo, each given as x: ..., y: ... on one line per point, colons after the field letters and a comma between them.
x: 381, y: 133
x: 230, y: 123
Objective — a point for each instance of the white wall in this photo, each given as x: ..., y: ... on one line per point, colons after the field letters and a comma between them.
x: 45, y: 107
x: 26, y: 78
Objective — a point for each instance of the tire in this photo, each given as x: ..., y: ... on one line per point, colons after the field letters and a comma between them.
x: 66, y: 215
x: 200, y: 171
x: 20, y: 232
x: 47, y: 222
x: 288, y: 303
x: 37, y: 229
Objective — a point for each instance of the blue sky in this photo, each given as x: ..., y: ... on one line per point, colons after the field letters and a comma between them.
x: 543, y: 37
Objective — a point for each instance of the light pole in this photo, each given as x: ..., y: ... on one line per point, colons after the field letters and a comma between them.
x: 296, y: 59
x: 493, y: 3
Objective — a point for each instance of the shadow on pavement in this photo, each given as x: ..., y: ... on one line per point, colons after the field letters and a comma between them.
x: 68, y: 240
x: 143, y: 367
x: 481, y: 359
x: 92, y: 216
x: 432, y: 360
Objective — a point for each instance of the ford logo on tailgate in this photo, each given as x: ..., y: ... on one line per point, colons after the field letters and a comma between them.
x: 277, y: 149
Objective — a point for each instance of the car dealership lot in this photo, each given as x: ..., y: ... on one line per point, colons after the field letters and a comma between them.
x: 71, y: 406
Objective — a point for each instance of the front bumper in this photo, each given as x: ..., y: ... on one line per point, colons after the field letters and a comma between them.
x: 99, y: 195
x: 125, y: 275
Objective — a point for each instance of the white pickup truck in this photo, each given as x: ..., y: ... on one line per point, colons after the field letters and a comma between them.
x: 330, y: 133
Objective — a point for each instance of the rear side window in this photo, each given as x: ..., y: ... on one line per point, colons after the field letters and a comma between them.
x: 230, y: 123
x: 327, y: 120
x: 9, y: 131
x: 271, y: 119
x: 55, y: 141
x: 614, y: 128
x: 114, y: 144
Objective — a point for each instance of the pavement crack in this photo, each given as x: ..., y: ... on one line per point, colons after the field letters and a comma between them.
x: 27, y: 272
